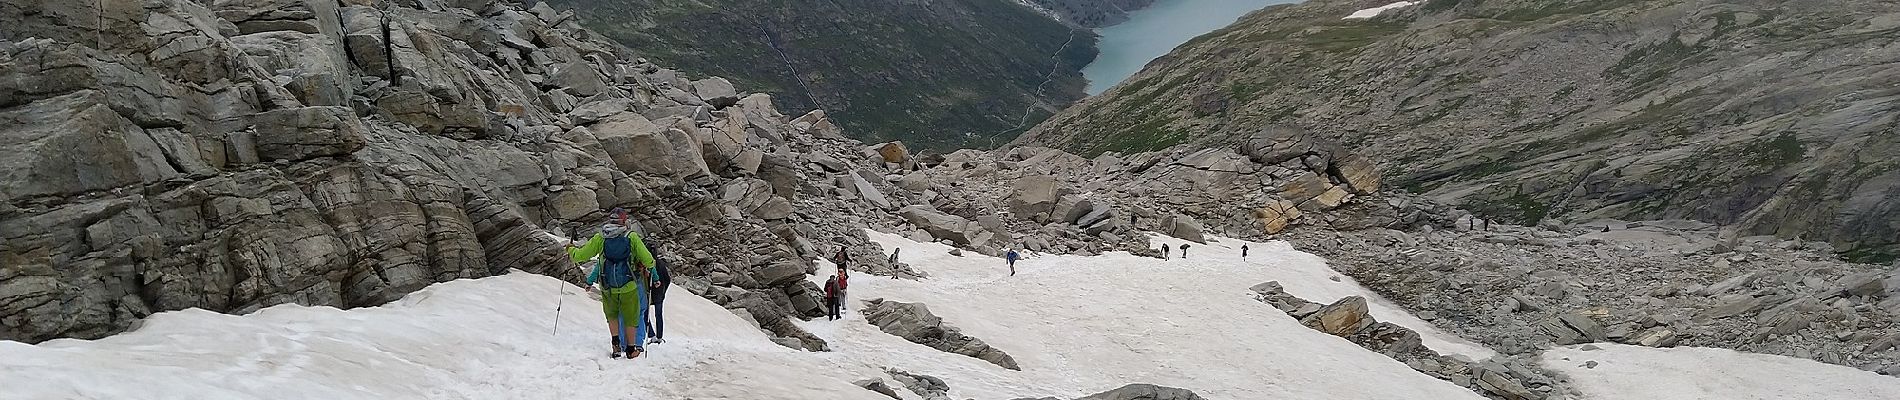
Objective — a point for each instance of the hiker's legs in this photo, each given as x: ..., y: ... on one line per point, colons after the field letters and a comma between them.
x: 1012, y: 267
x: 639, y: 328
x: 659, y: 319
x: 611, y: 306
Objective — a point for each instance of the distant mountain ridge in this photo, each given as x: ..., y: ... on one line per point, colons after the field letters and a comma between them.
x: 1769, y: 117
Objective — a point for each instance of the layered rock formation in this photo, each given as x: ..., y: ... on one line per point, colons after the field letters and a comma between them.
x: 1738, y: 114
x: 233, y: 155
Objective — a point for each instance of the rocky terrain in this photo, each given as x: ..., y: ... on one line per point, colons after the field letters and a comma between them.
x: 235, y: 155
x: 1498, y: 378
x: 1771, y: 117
x: 939, y: 75
x: 1660, y: 284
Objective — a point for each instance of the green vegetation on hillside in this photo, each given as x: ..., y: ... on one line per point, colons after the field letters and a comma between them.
x: 941, y: 75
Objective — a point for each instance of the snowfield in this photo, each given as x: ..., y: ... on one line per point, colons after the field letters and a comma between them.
x: 1077, y: 325
x: 1375, y: 11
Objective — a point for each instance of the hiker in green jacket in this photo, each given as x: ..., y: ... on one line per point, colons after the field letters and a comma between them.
x: 624, y: 272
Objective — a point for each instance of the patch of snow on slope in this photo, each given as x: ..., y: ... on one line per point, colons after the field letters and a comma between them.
x: 1308, y: 277
x: 490, y: 338
x: 1375, y: 11
x: 1693, y: 373
x: 1078, y: 325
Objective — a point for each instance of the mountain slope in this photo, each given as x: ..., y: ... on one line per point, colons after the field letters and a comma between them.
x: 939, y: 74
x: 1774, y: 117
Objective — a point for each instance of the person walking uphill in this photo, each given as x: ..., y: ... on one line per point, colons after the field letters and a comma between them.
x: 623, y: 274
x: 1011, y: 257
x: 832, y: 302
x: 844, y: 284
x: 656, y: 307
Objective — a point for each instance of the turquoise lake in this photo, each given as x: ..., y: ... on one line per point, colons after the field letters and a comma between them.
x: 1154, y: 31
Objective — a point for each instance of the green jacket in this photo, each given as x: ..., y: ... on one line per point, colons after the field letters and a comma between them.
x: 642, y: 259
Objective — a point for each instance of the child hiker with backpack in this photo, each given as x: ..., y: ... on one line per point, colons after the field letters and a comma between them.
x: 623, y: 273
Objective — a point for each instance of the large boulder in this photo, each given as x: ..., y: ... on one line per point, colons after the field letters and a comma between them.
x: 1034, y: 197
x: 876, y: 385
x: 638, y: 144
x: 945, y: 226
x: 893, y: 152
x: 868, y: 191
x: 1573, y: 328
x: 1143, y: 391
x: 1276, y: 216
x: 1184, y: 227
x: 716, y: 91
x: 1342, y: 318
x: 915, y: 322
x: 1282, y: 143
x: 1358, y: 173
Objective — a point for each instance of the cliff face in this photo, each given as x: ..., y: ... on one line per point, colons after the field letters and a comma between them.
x: 939, y: 75
x: 232, y: 155
x: 1772, y: 117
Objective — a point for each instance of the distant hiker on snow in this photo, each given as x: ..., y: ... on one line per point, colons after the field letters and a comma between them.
x: 1164, y: 250
x: 1011, y: 257
x: 662, y: 279
x: 832, y: 302
x: 840, y: 258
x: 1243, y: 251
x: 624, y: 273
x: 844, y: 284
x: 1184, y: 247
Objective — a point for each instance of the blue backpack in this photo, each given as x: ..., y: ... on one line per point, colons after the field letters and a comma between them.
x: 616, y: 256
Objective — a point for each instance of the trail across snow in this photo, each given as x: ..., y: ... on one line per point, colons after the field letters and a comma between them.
x: 1077, y: 325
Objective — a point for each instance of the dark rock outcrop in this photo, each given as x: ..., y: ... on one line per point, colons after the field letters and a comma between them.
x: 914, y: 322
x: 1143, y: 391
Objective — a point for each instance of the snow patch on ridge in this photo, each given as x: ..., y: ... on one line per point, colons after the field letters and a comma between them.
x: 1375, y: 11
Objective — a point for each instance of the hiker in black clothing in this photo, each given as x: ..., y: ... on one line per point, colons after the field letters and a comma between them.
x: 656, y: 300
x: 1164, y: 250
x: 831, y: 298
x: 841, y: 259
x: 1184, y: 247
x: 1243, y: 251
